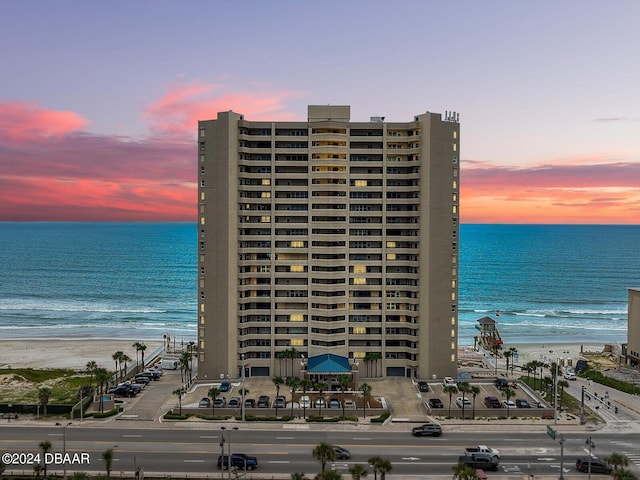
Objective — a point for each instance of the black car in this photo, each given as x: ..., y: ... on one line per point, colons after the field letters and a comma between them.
x: 597, y: 465
x: 522, y: 403
x: 279, y: 402
x: 492, y: 402
x: 122, y: 391
x: 428, y: 430
x: 238, y: 460
x: 263, y: 401
x: 341, y: 453
x: 501, y: 383
x: 249, y: 403
x: 423, y: 386
x: 436, y: 403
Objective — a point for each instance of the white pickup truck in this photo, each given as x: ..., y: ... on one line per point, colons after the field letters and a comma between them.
x: 483, y: 450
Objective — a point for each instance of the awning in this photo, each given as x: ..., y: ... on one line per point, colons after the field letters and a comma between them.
x: 328, y: 363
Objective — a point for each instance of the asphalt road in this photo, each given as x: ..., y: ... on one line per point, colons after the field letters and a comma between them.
x: 178, y: 451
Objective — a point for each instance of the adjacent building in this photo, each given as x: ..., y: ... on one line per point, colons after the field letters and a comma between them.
x: 328, y: 236
x: 631, y: 350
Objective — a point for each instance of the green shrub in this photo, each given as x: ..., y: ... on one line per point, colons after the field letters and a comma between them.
x: 381, y: 418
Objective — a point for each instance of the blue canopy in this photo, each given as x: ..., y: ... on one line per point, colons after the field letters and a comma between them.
x: 328, y: 363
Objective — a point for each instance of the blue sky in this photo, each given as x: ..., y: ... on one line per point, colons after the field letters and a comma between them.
x: 547, y: 95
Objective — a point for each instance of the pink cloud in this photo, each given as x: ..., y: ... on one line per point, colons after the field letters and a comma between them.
x: 25, y: 120
x: 184, y: 104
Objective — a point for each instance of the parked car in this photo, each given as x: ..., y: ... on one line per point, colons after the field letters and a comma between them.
x: 436, y: 403
x: 423, y: 386
x: 263, y: 401
x: 428, y: 429
x: 349, y: 404
x: 522, y: 403
x: 463, y: 402
x: 220, y: 402
x: 508, y: 404
x: 501, y: 383
x: 238, y: 460
x: 449, y: 382
x: 225, y: 386
x: 280, y: 402
x: 141, y: 380
x: 597, y: 465
x: 492, y: 402
x: 570, y: 376
x: 341, y: 453
x: 249, y: 403
x: 334, y: 403
x: 122, y: 391
x: 234, y: 402
x: 319, y: 402
x: 305, y: 401
x: 204, y: 402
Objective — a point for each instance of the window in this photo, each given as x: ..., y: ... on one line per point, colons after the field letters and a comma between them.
x: 360, y: 281
x: 298, y: 342
x: 391, y: 244
x: 391, y: 256
x: 296, y: 317
x: 297, y: 268
x: 266, y: 195
x: 266, y: 181
x: 359, y: 268
x: 360, y: 183
x: 359, y: 330
x: 297, y: 244
x: 265, y: 218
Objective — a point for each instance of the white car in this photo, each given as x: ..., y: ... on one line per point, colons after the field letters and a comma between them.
x: 448, y: 382
x: 508, y: 404
x: 305, y: 401
x: 460, y: 401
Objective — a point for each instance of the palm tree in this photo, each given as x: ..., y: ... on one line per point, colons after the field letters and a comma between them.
x: 185, y: 367
x: 107, y: 457
x: 475, y: 391
x: 138, y: 347
x: 45, y: 446
x: 37, y: 469
x: 464, y: 388
x: 116, y: 358
x: 321, y: 386
x: 44, y: 394
x: 102, y: 378
x: 496, y: 348
x: 278, y: 381
x: 562, y: 384
x: 324, y: 453
x: 374, y: 357
x: 124, y: 362
x: 281, y: 356
x: 450, y: 389
x: 293, y: 354
x: 329, y: 475
x: 293, y: 383
x: 358, y: 472
x: 91, y: 367
x: 365, y: 388
x: 508, y: 354
x: 509, y: 394
x: 617, y: 460
x: 213, y: 394
x: 305, y: 384
x: 179, y: 392
x: 344, y: 380
x: 380, y: 465
x: 624, y: 474
x: 462, y: 471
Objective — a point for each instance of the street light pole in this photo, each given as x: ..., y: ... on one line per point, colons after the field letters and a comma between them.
x: 591, y: 447
x: 582, y: 407
x: 555, y: 395
x: 64, y: 447
x: 561, y: 457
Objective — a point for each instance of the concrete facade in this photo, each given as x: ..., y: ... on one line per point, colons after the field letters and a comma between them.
x: 633, y: 328
x: 328, y: 236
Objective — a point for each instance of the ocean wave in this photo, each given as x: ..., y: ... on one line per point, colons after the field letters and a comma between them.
x: 57, y: 306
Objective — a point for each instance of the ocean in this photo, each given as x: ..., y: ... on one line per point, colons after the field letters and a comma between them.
x: 547, y: 283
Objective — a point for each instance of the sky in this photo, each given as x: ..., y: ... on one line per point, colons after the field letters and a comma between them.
x: 99, y: 101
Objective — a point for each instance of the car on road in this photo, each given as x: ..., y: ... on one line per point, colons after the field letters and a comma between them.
x: 263, y: 401
x: 508, y: 404
x: 597, y: 465
x: 522, y: 403
x: 305, y: 401
x: 234, y: 402
x: 204, y: 402
x: 570, y: 376
x: 423, y: 386
x: 492, y: 402
x: 463, y: 402
x: 436, y: 403
x: 238, y: 460
x: 428, y: 429
x: 279, y: 402
x: 341, y: 453
x: 481, y: 461
x: 225, y: 386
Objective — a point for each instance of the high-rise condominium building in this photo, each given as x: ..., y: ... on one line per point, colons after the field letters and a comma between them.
x: 328, y: 237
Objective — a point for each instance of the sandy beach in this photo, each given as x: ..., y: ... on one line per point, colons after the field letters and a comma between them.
x: 75, y: 353
x: 72, y: 353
